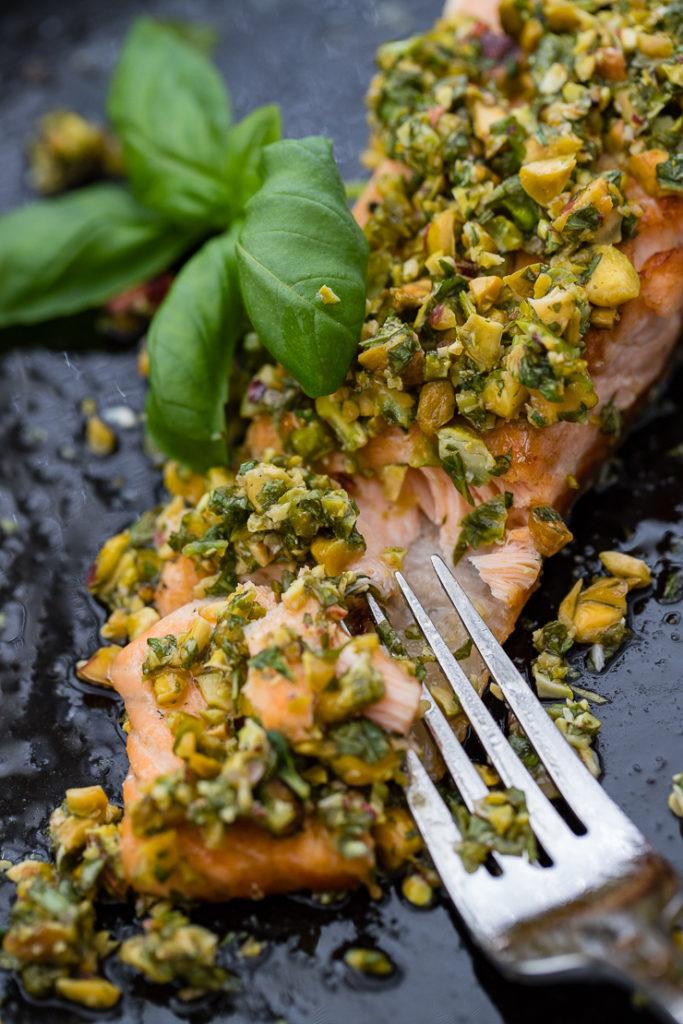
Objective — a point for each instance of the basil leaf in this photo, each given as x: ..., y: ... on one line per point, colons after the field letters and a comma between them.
x: 191, y: 343
x: 59, y: 256
x: 670, y: 173
x: 485, y: 524
x: 360, y: 739
x: 203, y: 38
x: 171, y: 110
x: 166, y: 440
x: 244, y: 157
x: 299, y: 236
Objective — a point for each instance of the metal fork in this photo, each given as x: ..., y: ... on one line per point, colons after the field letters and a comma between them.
x: 608, y: 902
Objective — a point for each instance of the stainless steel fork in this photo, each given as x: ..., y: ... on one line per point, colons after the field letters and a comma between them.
x: 607, y: 904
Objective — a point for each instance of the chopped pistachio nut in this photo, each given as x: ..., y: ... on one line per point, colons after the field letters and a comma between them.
x: 599, y: 607
x: 587, y: 615
x: 174, y: 950
x: 51, y: 939
x: 67, y: 150
x: 328, y: 296
x: 100, y: 439
x: 397, y: 838
x: 95, y: 993
x: 369, y: 961
x: 676, y: 795
x: 579, y: 727
x: 614, y: 280
x: 549, y: 672
x: 277, y: 511
x: 634, y: 570
x: 548, y: 529
x: 500, y: 823
x: 95, y: 669
x: 417, y: 890
x: 251, y: 948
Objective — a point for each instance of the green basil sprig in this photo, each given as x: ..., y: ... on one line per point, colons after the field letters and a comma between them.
x: 191, y: 344
x: 172, y: 113
x: 192, y: 176
x: 60, y: 256
x: 299, y: 236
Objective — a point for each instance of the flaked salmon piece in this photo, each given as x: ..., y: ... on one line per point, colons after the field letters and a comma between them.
x: 384, y: 525
x: 249, y: 861
x: 397, y: 709
x: 432, y: 493
x: 282, y: 702
x: 262, y: 436
x: 179, y: 577
x: 150, y: 741
x: 442, y: 504
x: 287, y: 704
x: 510, y: 568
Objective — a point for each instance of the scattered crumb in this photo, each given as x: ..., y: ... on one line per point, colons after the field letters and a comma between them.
x: 100, y: 439
x: 328, y: 296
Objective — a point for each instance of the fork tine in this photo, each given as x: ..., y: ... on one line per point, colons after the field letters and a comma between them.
x: 589, y: 800
x: 479, y: 898
x: 441, y: 834
x: 466, y: 777
x: 551, y: 830
x: 488, y: 904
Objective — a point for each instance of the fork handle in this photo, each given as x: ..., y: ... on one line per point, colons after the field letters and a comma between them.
x: 649, y: 958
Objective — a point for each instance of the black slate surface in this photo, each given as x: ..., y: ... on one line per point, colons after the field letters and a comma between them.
x: 58, y: 503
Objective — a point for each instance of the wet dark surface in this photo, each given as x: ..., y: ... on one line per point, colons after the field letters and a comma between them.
x: 58, y: 503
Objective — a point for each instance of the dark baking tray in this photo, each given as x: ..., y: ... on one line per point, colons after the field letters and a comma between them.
x: 315, y: 58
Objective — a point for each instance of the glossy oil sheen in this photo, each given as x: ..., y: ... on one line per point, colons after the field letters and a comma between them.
x: 62, y: 502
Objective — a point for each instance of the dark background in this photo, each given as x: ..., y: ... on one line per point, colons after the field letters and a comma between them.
x: 58, y: 503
